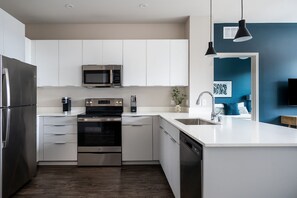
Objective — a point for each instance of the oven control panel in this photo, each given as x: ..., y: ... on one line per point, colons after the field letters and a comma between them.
x: 97, y: 102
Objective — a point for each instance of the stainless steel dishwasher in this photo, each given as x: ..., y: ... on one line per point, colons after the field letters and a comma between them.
x: 191, y: 167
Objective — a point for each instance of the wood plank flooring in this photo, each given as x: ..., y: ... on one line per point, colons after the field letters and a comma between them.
x: 72, y: 181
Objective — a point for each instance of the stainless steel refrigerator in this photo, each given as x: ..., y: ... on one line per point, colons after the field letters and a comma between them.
x: 18, y: 124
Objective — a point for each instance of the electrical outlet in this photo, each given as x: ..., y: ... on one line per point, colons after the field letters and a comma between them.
x: 172, y: 102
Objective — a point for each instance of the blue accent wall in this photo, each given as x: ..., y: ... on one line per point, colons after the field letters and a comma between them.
x: 277, y: 47
x: 239, y: 72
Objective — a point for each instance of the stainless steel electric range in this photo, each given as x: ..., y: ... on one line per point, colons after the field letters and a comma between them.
x: 100, y: 133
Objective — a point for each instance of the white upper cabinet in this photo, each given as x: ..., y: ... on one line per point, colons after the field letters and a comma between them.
x: 47, y: 61
x: 12, y: 34
x: 28, y: 51
x: 179, y: 63
x: 158, y: 62
x: 70, y: 63
x: 112, y: 52
x: 134, y: 67
x: 92, y: 52
x: 1, y: 31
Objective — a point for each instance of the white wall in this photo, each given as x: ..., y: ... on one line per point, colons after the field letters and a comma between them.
x: 201, y: 67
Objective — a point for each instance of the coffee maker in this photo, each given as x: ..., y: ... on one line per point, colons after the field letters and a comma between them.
x: 133, y: 104
x: 66, y: 101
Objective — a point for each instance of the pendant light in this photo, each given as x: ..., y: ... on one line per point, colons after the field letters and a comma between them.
x: 211, y: 50
x: 243, y: 33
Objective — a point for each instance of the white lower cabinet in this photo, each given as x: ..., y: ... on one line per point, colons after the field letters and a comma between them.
x: 57, y: 139
x: 137, y: 139
x: 169, y: 155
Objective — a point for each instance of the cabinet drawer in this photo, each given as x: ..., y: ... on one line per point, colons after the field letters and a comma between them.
x: 62, y: 129
x: 60, y: 138
x: 170, y: 129
x: 142, y: 120
x: 60, y: 152
x: 60, y: 120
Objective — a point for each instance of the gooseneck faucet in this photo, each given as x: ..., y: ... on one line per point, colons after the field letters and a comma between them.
x: 213, y: 113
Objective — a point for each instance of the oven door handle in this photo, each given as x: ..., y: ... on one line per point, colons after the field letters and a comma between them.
x: 105, y: 119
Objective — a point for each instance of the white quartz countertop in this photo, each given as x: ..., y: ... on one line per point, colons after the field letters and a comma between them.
x: 57, y: 112
x: 233, y: 132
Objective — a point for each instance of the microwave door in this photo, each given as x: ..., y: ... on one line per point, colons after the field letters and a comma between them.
x: 97, y: 78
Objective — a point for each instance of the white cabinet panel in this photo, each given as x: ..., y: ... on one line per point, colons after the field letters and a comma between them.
x: 137, y: 143
x: 47, y: 62
x: 156, y: 139
x: 28, y: 51
x: 14, y: 38
x: 112, y: 53
x: 158, y: 62
x: 60, y: 151
x: 1, y: 31
x: 70, y: 63
x: 92, y: 52
x: 134, y: 67
x: 179, y: 63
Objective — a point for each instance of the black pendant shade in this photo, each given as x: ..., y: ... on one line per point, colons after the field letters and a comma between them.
x: 211, y: 50
x: 243, y: 33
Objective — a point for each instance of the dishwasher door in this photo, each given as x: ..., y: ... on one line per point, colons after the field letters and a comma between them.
x: 191, y: 167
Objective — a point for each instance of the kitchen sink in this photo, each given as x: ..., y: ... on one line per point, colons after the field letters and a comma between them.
x: 195, y: 121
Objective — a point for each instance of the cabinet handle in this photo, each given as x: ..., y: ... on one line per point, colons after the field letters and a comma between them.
x: 60, y: 142
x: 58, y: 125
x: 136, y: 125
x: 161, y: 127
x: 60, y: 134
x: 173, y: 140
x: 166, y: 132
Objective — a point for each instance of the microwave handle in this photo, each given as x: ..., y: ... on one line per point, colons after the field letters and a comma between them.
x: 111, y: 77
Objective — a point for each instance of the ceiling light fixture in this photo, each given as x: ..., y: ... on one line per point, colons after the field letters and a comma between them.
x: 143, y: 5
x: 69, y: 5
x: 211, y: 50
x: 243, y: 33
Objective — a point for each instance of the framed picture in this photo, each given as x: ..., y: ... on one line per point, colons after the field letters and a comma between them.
x: 222, y: 89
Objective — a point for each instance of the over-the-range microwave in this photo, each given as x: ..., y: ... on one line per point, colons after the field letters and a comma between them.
x: 102, y: 75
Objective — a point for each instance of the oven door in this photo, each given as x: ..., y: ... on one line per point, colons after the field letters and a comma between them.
x: 99, y: 134
x: 97, y: 78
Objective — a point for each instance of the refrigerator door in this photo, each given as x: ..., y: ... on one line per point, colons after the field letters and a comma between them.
x: 19, y: 153
x: 21, y: 79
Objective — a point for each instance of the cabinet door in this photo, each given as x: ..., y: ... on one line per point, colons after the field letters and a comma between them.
x: 39, y: 139
x: 112, y: 52
x: 161, y: 147
x: 1, y: 30
x: 174, y: 168
x: 179, y: 63
x: 60, y: 151
x: 158, y: 62
x: 47, y: 61
x: 137, y: 143
x: 134, y: 67
x: 14, y: 38
x: 70, y: 63
x: 92, y: 52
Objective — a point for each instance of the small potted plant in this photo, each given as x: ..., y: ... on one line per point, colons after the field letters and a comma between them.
x: 177, y: 97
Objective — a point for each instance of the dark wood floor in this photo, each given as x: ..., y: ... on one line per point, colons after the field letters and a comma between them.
x: 71, y: 181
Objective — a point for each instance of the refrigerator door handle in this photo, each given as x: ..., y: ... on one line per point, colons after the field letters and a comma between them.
x: 6, y: 75
x: 8, y: 114
x: 7, y: 130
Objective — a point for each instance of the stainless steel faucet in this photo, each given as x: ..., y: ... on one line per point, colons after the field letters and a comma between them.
x: 213, y: 113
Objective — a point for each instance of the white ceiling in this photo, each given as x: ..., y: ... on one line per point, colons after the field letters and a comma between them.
x: 128, y: 11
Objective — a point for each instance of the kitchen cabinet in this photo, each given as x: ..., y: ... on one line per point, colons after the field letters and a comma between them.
x: 134, y: 63
x: 179, y: 63
x: 137, y: 138
x: 158, y: 62
x: 12, y: 36
x: 70, y: 63
x: 92, y: 52
x: 47, y: 61
x: 112, y: 52
x: 57, y: 139
x: 169, y: 155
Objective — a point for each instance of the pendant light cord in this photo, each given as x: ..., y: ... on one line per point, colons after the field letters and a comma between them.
x: 210, y: 20
x: 241, y: 9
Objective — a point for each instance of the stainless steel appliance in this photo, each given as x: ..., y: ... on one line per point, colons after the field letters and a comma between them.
x: 66, y: 101
x: 133, y: 104
x: 102, y: 75
x: 190, y: 167
x: 100, y: 133
x: 18, y: 124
